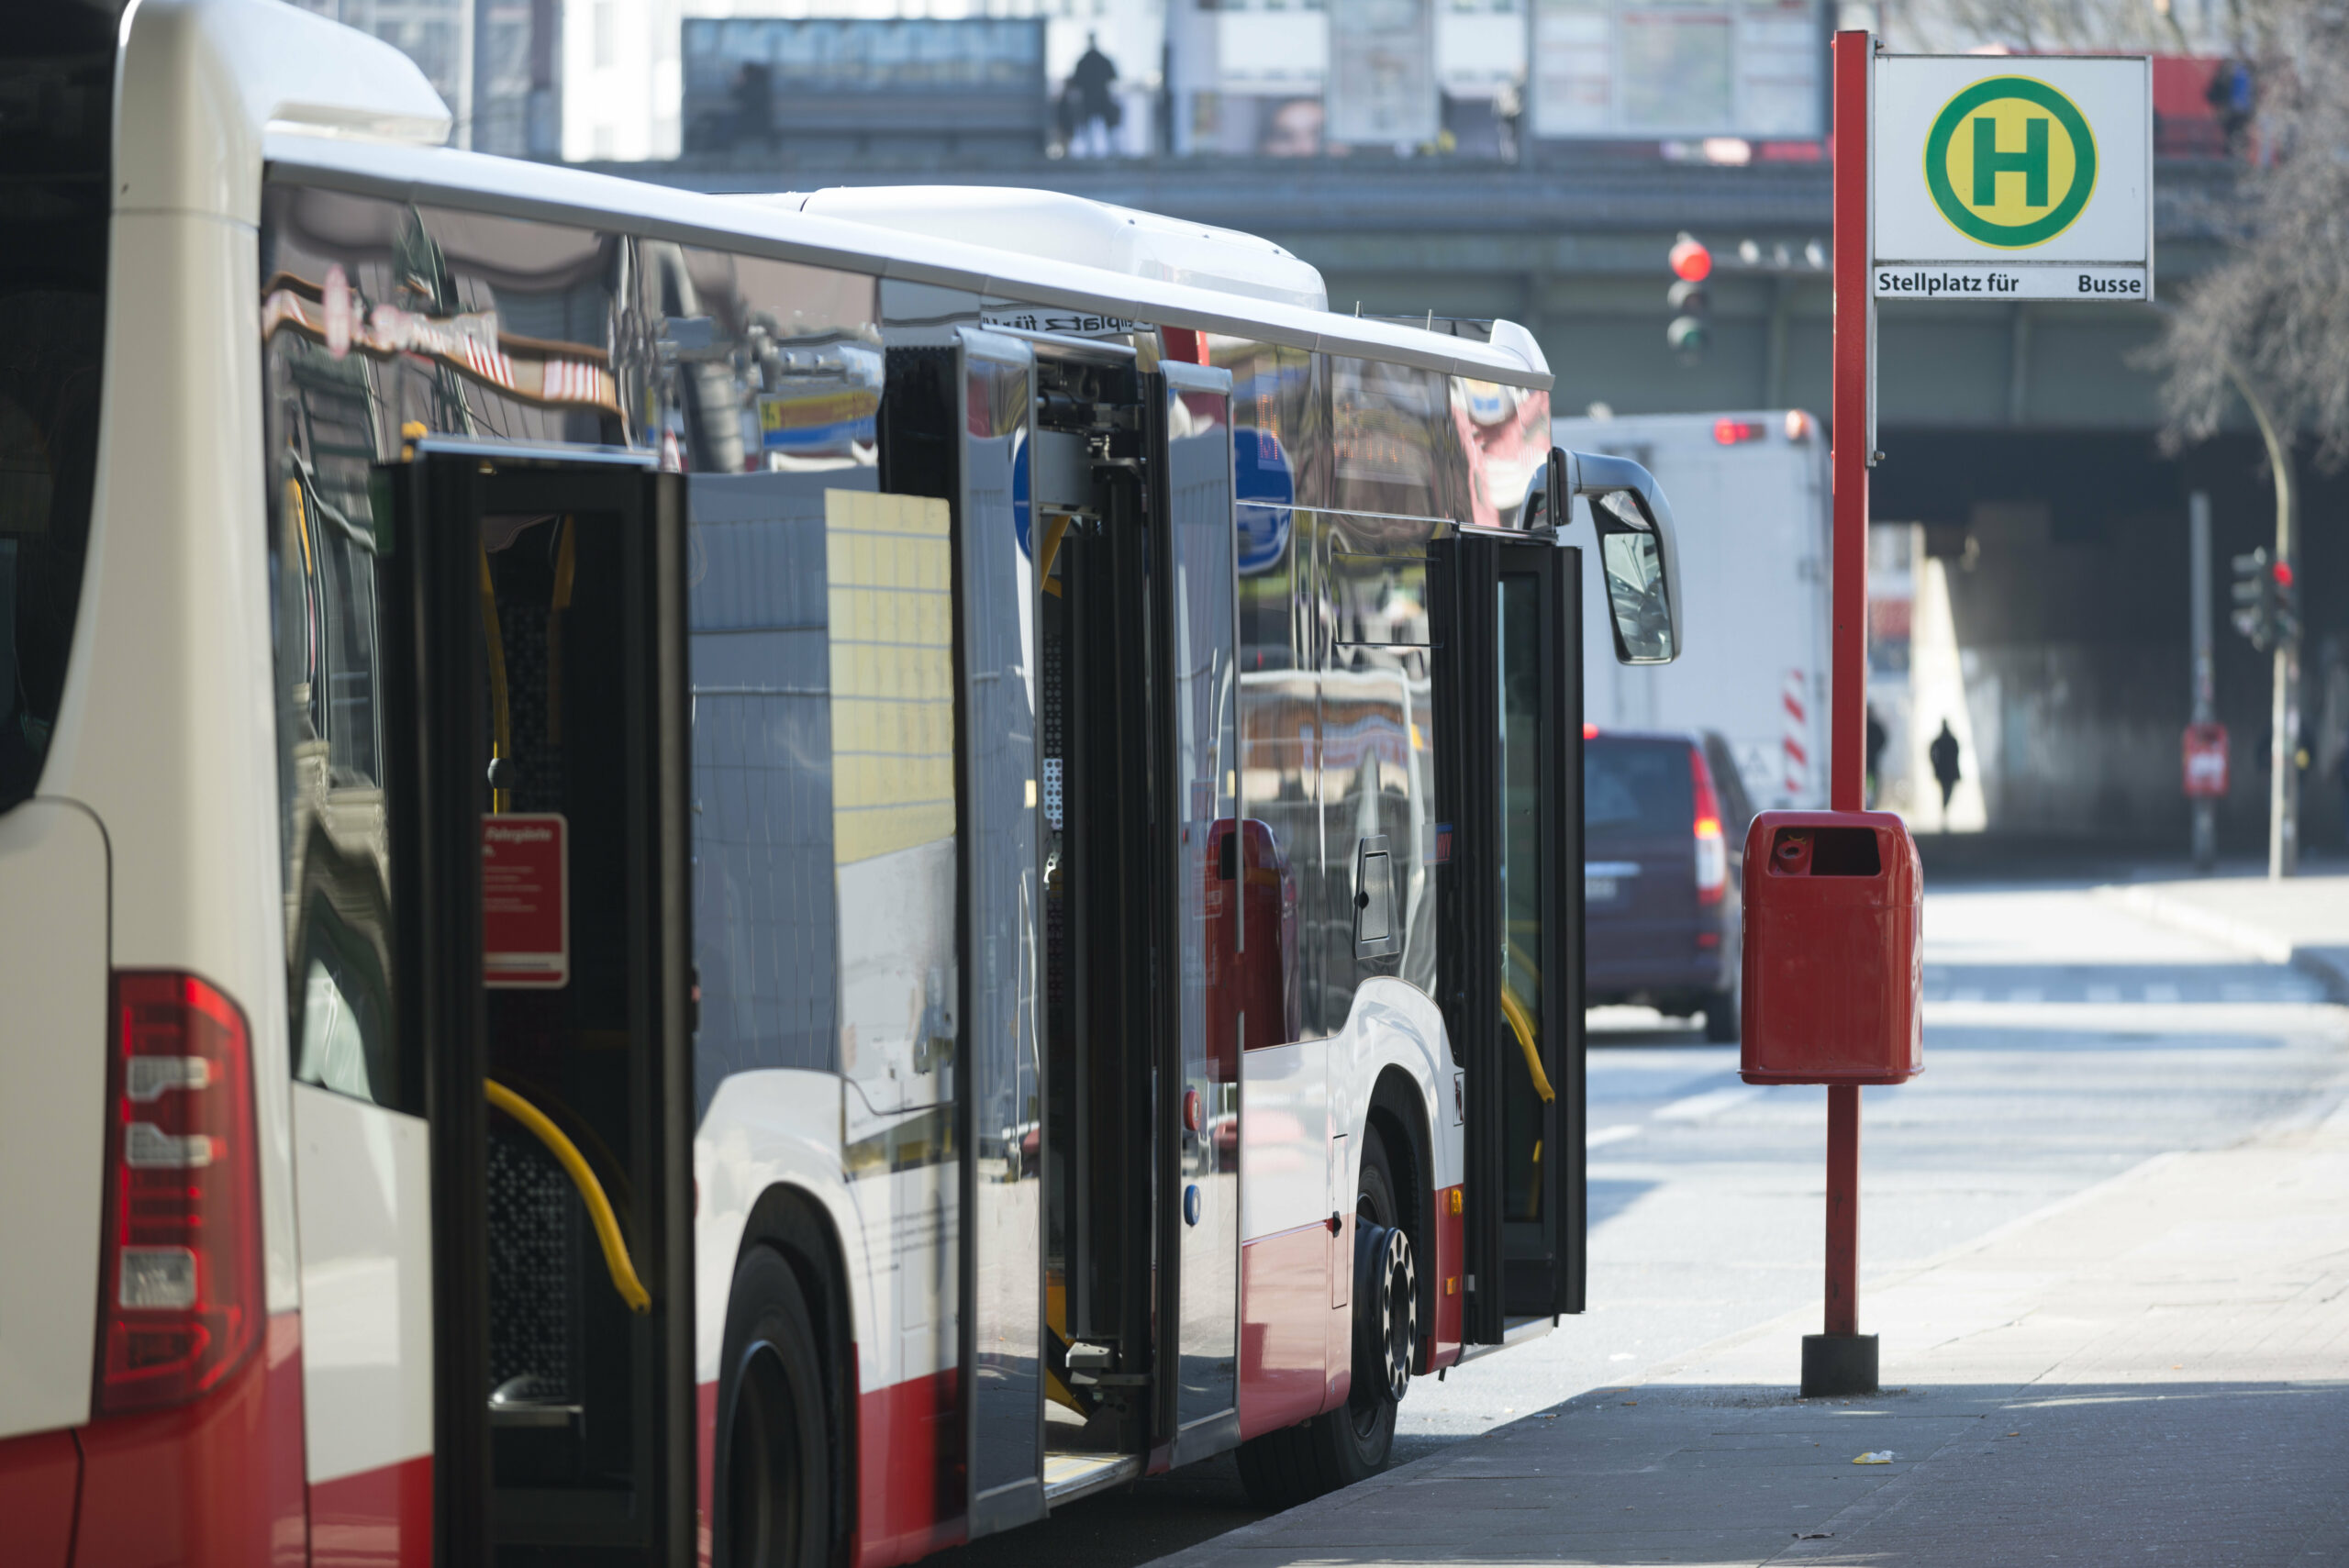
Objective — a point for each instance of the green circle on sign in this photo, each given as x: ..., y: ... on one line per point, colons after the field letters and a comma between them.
x: 1961, y: 215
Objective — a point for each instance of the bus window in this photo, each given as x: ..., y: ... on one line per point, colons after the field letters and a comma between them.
x: 52, y: 334
x: 1528, y: 1091
x: 763, y: 893
x: 1378, y: 723
x: 1394, y: 445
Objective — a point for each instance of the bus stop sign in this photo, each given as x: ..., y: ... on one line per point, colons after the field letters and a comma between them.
x: 2016, y: 177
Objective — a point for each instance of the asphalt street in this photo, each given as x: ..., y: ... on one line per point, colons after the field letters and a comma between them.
x: 2067, y: 1039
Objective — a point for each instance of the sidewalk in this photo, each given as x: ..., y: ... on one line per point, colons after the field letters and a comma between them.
x: 2302, y: 921
x: 2155, y: 1369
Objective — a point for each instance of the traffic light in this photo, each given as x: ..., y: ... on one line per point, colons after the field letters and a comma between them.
x: 2267, y: 607
x: 1691, y: 326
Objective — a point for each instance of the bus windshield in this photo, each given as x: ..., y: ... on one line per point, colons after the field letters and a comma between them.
x: 56, y: 119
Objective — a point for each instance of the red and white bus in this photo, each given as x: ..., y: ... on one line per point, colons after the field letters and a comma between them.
x: 770, y: 880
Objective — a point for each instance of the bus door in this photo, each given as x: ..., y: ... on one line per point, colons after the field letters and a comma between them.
x: 1508, y: 664
x: 1191, y: 451
x: 1093, y: 597
x: 1002, y: 1099
x: 1097, y: 731
x: 534, y: 631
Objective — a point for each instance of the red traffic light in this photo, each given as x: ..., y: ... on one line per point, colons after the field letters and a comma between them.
x: 2283, y: 574
x: 1690, y: 260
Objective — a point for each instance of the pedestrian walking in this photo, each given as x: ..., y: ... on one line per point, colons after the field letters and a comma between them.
x: 1090, y: 107
x: 1876, y: 739
x: 1943, y: 753
x: 2333, y: 719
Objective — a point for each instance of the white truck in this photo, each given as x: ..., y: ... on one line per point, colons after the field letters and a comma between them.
x: 1750, y: 498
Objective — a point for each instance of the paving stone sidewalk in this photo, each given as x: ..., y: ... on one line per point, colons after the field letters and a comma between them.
x: 2302, y: 920
x: 2155, y: 1369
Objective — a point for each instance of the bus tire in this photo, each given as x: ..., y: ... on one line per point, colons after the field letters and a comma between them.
x: 774, y: 1450
x: 1352, y: 1442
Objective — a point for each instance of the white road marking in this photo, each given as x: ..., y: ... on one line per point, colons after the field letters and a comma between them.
x: 1697, y: 1107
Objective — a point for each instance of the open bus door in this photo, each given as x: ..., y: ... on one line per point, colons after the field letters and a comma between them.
x: 1002, y: 1263
x: 1190, y: 448
x: 1094, y: 591
x: 534, y: 628
x: 1510, y: 661
x: 1508, y: 664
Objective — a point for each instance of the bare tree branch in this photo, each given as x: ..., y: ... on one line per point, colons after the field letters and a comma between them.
x: 2275, y: 311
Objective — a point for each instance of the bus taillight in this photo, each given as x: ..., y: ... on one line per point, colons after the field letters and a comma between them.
x: 182, y: 1306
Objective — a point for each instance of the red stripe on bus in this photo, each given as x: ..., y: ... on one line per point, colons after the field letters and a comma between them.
x: 377, y: 1519
x: 1450, y: 1248
x: 705, y: 1463
x: 40, y: 1475
x: 1338, y: 1322
x: 1284, y: 1318
x: 910, y: 1472
x: 215, y: 1483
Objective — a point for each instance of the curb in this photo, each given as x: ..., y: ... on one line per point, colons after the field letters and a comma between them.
x: 2328, y: 966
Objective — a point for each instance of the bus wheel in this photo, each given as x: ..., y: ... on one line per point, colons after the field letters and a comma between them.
x: 774, y: 1452
x: 1351, y: 1443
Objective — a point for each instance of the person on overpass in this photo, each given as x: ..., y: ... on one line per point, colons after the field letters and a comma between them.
x: 2233, y: 97
x: 1097, y: 114
x: 1943, y: 753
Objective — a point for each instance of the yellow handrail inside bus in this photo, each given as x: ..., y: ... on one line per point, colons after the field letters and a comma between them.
x: 1054, y: 528
x: 591, y: 1191
x: 1522, y: 1027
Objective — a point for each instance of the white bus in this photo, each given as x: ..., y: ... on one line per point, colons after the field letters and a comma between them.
x: 698, y: 878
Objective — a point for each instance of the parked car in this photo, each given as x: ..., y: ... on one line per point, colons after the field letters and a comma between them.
x: 1663, y: 831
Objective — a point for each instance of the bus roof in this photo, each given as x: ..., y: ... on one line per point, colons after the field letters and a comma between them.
x: 554, y: 193
x: 1058, y: 226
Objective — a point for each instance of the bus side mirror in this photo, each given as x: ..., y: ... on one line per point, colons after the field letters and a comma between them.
x: 1636, y: 557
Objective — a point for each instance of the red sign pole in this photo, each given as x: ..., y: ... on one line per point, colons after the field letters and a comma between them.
x: 1847, y: 706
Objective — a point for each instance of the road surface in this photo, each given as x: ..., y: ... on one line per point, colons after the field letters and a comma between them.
x: 2066, y: 1040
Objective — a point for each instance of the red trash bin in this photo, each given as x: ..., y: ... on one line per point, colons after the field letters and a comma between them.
x: 1834, y: 949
